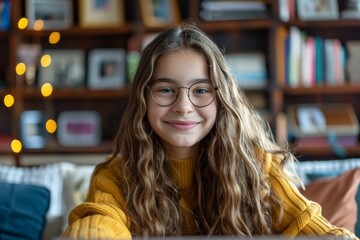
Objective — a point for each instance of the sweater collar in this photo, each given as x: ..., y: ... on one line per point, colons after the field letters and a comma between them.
x: 182, y: 172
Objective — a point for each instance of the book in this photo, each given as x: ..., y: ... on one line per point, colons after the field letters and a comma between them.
x: 5, y: 15
x: 353, y: 62
x: 294, y: 56
x: 319, y: 61
x: 280, y: 49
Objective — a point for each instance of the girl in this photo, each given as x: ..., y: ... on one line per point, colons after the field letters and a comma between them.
x: 192, y: 157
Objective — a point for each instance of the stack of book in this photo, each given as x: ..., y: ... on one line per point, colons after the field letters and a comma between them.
x: 249, y: 69
x: 218, y: 10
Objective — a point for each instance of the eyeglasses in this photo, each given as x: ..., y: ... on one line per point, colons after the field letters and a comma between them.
x: 200, y: 94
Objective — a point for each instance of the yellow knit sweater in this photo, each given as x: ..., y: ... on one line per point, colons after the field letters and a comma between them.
x: 101, y: 216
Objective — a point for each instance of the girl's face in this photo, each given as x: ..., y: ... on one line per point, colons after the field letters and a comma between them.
x: 181, y: 126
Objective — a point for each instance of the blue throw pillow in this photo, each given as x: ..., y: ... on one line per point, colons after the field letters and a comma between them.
x: 23, y: 210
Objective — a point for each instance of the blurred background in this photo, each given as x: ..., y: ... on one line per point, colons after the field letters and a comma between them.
x: 67, y: 66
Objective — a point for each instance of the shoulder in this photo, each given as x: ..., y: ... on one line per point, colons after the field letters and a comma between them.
x: 270, y: 161
x: 106, y: 179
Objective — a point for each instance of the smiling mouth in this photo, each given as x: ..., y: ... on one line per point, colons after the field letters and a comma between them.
x: 182, y: 125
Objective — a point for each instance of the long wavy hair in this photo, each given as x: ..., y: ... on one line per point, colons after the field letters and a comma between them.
x: 233, y: 193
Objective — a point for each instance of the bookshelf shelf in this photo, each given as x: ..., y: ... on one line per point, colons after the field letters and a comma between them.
x: 322, y: 90
x: 325, y: 153
x: 341, y: 23
x: 71, y: 93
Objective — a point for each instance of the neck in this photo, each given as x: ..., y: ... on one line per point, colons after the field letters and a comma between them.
x: 181, y: 152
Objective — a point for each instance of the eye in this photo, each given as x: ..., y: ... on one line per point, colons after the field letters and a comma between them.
x: 200, y: 91
x: 165, y: 90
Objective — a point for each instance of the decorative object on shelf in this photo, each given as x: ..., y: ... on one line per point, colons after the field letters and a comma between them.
x: 32, y: 129
x: 55, y: 14
x: 215, y: 10
x: 159, y: 13
x: 101, y: 14
x: 320, y: 125
x: 284, y: 10
x: 29, y: 54
x: 352, y: 10
x: 309, y: 10
x: 106, y: 68
x: 79, y: 128
x: 67, y: 68
x: 353, y: 64
x: 249, y: 69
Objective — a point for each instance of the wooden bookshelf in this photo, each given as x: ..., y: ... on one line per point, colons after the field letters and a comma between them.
x: 231, y: 35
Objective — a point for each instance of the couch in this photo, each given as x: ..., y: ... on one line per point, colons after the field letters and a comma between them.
x: 67, y: 184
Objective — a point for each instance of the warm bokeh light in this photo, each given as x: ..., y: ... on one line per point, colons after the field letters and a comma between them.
x: 23, y: 23
x: 54, y: 37
x: 16, y: 146
x: 51, y: 126
x: 9, y: 100
x: 46, y: 89
x: 45, y: 60
x: 20, y: 68
x: 38, y: 25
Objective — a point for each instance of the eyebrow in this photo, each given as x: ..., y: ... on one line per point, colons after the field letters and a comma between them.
x: 169, y: 80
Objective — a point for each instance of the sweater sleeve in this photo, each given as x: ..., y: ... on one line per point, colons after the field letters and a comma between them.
x: 300, y: 216
x: 101, y: 216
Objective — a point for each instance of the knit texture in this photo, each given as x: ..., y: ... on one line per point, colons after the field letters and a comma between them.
x: 101, y: 216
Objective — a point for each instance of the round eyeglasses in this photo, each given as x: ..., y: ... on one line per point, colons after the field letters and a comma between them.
x: 200, y: 94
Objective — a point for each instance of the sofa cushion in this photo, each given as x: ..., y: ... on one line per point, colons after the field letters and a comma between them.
x: 23, y: 210
x: 339, y: 198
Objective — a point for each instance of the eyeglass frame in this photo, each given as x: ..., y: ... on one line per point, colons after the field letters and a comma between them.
x: 148, y: 87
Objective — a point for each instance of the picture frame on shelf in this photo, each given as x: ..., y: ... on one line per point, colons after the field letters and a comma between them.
x: 32, y: 129
x: 100, y: 14
x: 29, y: 54
x: 159, y: 13
x: 55, y: 14
x: 79, y: 128
x: 106, y: 68
x: 314, y: 10
x: 67, y: 68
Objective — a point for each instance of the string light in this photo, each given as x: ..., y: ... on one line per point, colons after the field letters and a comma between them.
x: 38, y: 25
x: 9, y: 100
x: 54, y: 37
x: 16, y: 146
x: 20, y: 68
x: 23, y: 23
x: 45, y: 60
x: 51, y: 126
x: 46, y: 89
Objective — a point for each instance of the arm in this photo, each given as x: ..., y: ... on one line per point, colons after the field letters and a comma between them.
x: 301, y: 216
x: 101, y: 216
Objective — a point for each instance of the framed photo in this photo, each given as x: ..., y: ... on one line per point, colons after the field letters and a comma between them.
x: 159, y: 13
x: 67, y: 68
x: 106, y: 68
x: 29, y: 54
x: 317, y: 9
x: 101, y: 13
x: 79, y: 128
x: 32, y: 129
x: 56, y: 14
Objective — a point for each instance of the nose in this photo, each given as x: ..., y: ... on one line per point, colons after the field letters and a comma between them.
x: 183, y: 104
